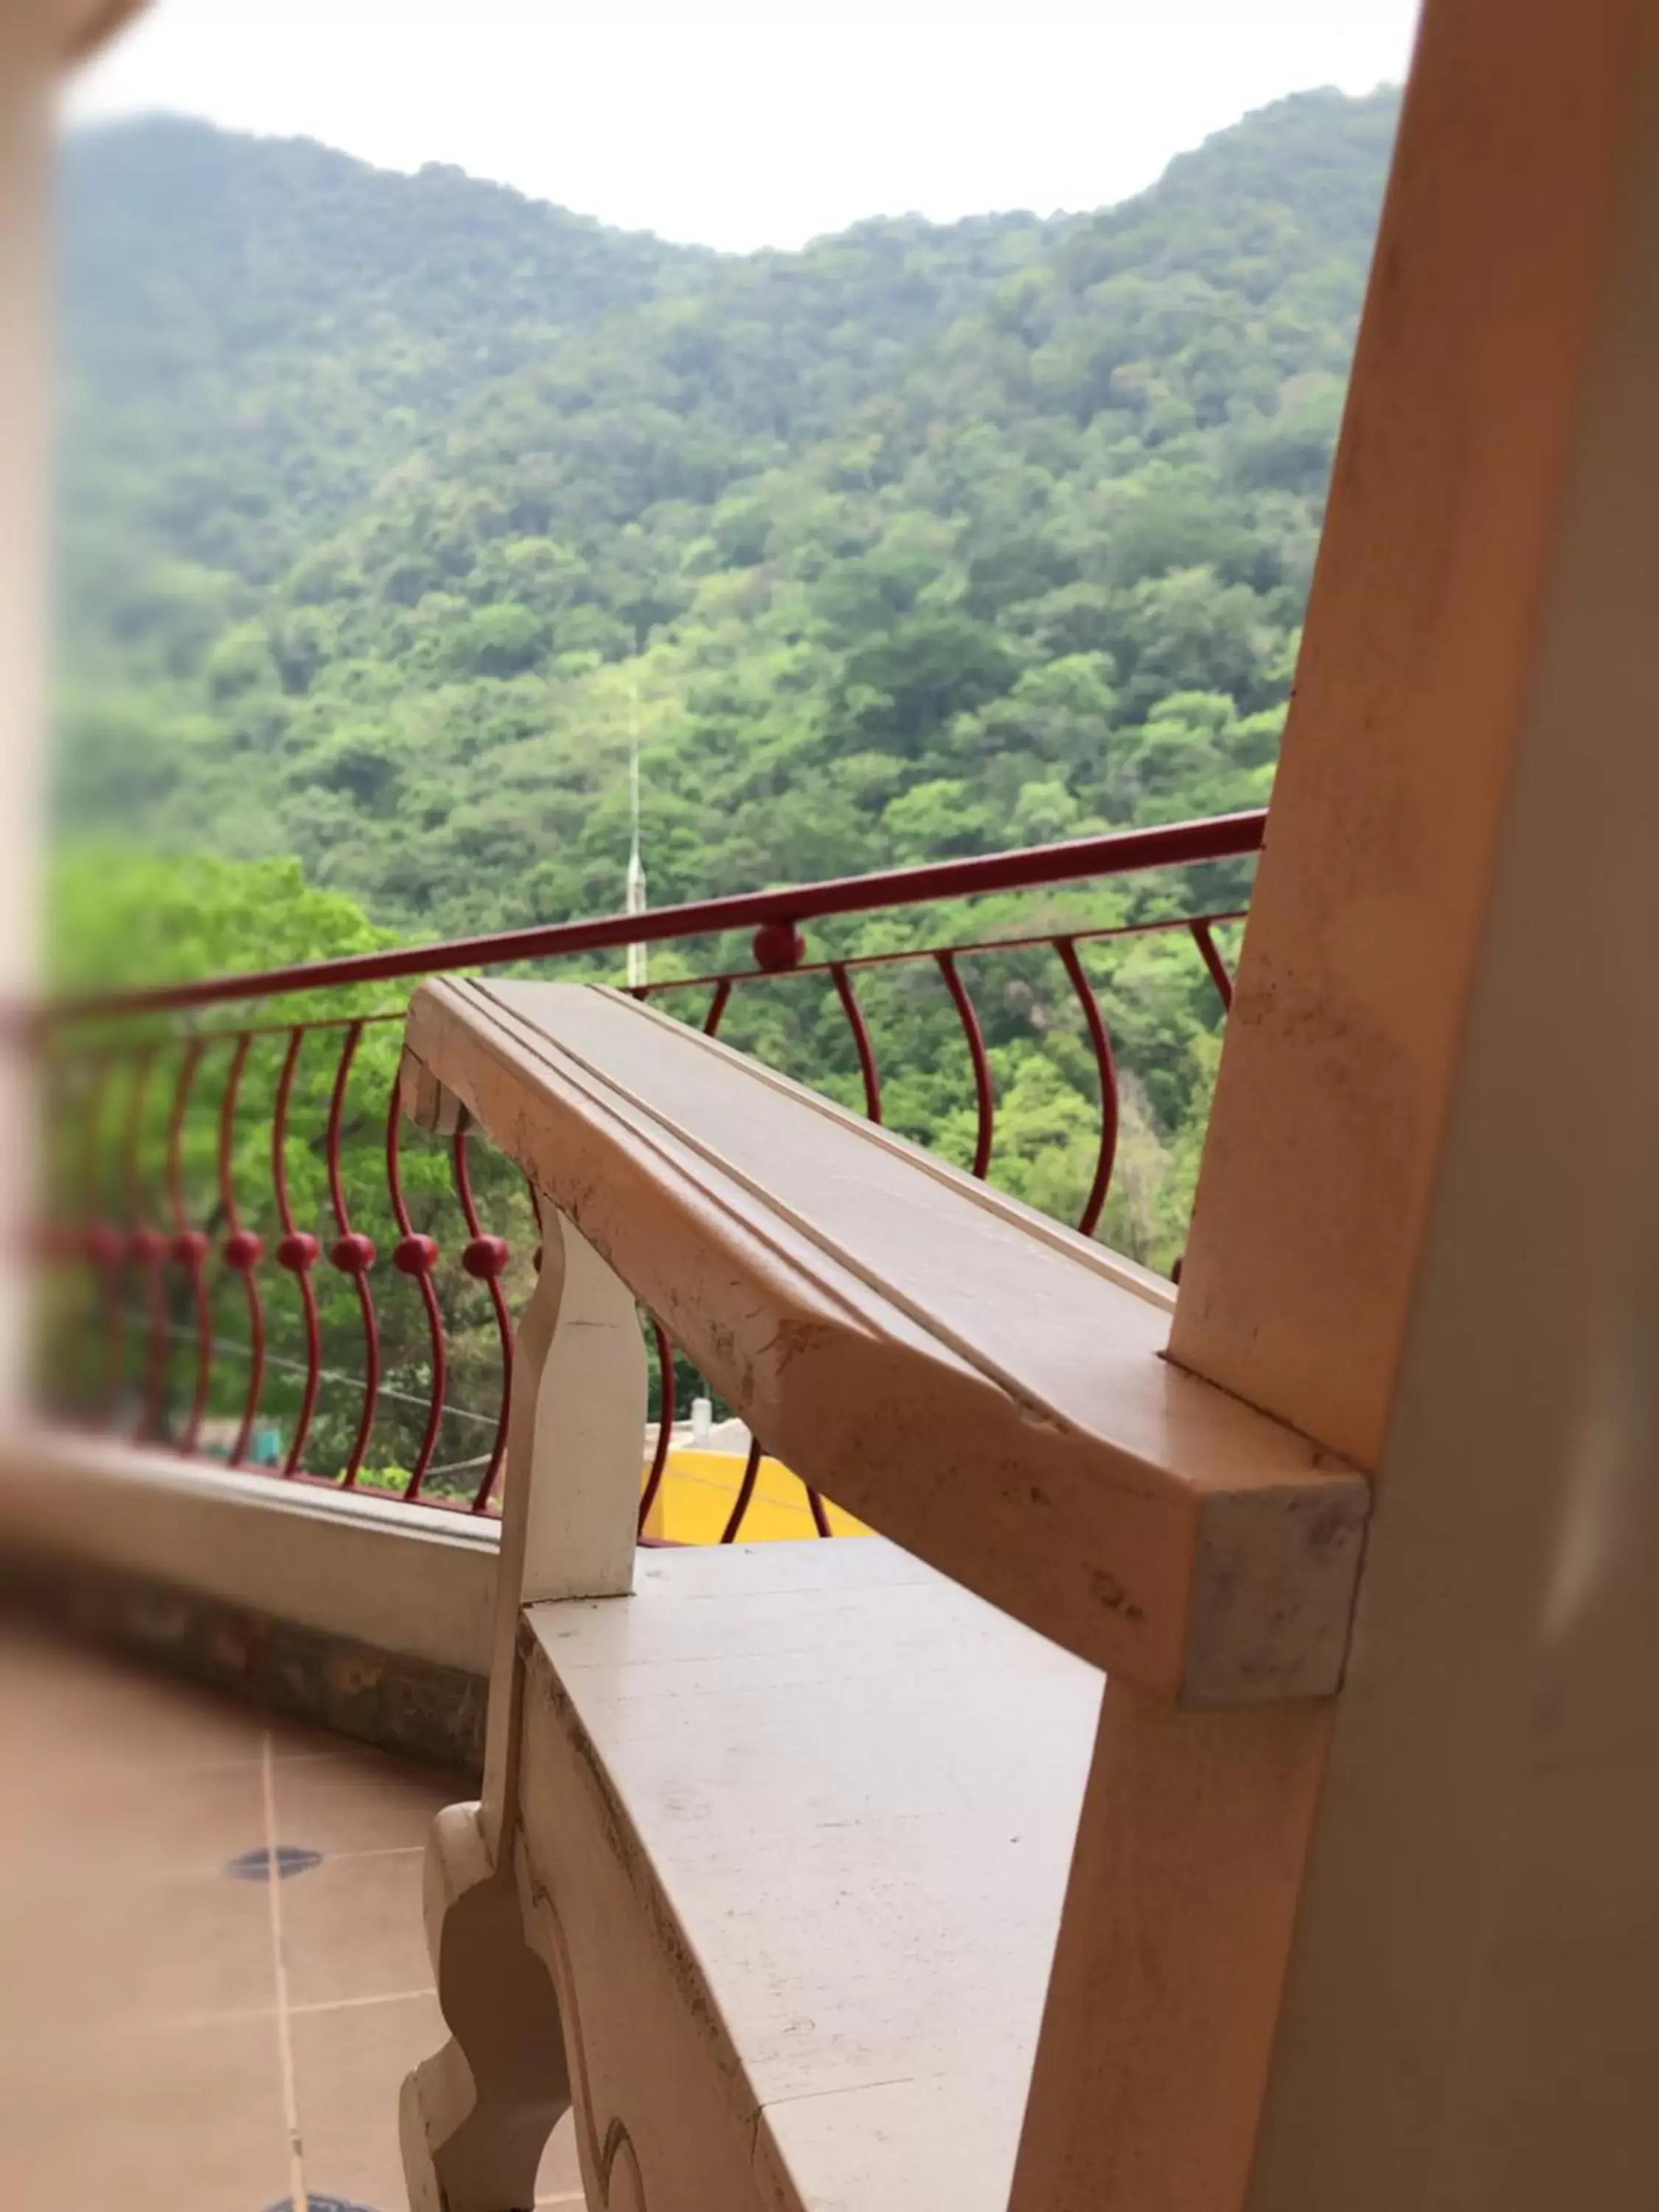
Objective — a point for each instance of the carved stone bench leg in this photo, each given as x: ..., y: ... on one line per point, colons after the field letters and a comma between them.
x: 475, y: 2119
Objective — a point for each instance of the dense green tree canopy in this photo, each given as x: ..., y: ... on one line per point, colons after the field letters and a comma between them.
x: 392, y: 503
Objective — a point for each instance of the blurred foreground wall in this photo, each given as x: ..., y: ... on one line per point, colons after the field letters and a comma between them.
x: 28, y: 60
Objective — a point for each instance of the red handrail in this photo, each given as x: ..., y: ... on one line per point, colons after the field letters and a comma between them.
x: 1119, y: 852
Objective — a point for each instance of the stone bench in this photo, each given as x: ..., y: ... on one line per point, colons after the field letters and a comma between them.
x: 771, y: 1869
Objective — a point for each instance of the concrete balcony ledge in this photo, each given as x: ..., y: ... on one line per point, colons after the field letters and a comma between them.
x: 363, y: 1614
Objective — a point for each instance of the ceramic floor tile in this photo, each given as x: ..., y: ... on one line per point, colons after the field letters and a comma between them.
x: 104, y: 1818
x: 350, y: 2064
x: 354, y: 1928
x: 140, y: 2044
x: 180, y: 2120
x: 77, y: 1708
x: 349, y: 2068
x: 363, y: 1802
x: 114, y: 1952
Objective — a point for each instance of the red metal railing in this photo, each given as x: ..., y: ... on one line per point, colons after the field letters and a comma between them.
x: 222, y: 1196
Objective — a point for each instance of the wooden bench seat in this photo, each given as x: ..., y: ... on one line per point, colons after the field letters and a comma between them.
x: 770, y: 1878
x: 852, y: 1788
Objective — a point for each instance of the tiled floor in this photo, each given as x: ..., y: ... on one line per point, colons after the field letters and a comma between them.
x: 175, y: 2038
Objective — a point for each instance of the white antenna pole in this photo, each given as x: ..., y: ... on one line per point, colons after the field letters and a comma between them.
x: 635, y: 899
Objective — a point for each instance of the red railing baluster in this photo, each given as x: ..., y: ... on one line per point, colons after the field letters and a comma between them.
x: 145, y: 1247
x: 1204, y: 937
x: 111, y: 1254
x: 100, y: 1243
x: 416, y: 1257
x: 1100, y: 1037
x: 985, y: 1095
x: 49, y: 1241
x: 188, y: 1248
x: 860, y: 1029
x: 297, y: 1249
x: 665, y: 1421
x: 354, y: 1254
x: 485, y: 1259
x: 717, y: 1006
x: 243, y: 1250
x: 746, y: 1491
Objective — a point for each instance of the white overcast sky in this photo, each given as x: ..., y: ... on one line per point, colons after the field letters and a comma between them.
x: 740, y: 123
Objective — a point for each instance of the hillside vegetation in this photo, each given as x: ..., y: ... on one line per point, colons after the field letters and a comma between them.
x: 392, y: 503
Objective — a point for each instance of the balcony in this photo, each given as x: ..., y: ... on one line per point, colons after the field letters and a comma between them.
x: 248, y: 1267
x: 1087, y: 1835
x: 276, y: 1335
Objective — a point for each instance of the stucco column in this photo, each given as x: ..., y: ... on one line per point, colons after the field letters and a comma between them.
x: 28, y: 62
x: 1427, y: 1228
x: 1396, y: 1951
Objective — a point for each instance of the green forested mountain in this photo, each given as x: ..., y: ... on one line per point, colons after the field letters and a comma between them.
x: 390, y: 502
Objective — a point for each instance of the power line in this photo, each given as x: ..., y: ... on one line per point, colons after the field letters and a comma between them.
x: 243, y: 1350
